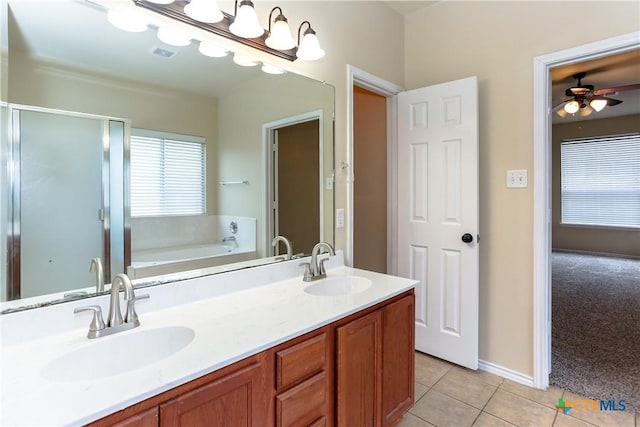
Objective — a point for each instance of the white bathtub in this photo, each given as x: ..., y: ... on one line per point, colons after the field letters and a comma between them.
x: 154, y: 262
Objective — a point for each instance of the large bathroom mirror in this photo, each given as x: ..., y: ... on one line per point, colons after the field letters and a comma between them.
x: 90, y: 111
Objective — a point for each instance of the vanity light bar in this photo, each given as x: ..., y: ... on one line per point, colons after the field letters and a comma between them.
x: 175, y: 10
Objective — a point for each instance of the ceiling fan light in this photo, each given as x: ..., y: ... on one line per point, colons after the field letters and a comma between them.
x: 126, y: 21
x: 572, y: 107
x: 204, y: 11
x: 245, y: 23
x: 598, y: 104
x: 585, y: 111
x: 173, y: 37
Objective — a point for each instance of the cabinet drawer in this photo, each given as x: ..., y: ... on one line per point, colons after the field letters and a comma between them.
x: 303, y: 404
x: 300, y: 361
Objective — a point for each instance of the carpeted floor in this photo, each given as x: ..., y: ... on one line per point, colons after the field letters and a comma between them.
x: 596, y: 326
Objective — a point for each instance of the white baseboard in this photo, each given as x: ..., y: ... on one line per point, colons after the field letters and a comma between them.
x: 605, y: 254
x: 507, y: 373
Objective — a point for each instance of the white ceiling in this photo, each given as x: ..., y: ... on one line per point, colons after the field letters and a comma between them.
x: 407, y: 7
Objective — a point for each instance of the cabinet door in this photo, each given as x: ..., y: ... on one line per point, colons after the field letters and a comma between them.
x: 233, y: 400
x: 397, y: 359
x: 359, y: 363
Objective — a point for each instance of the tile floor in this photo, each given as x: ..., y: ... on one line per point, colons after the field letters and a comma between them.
x: 449, y: 395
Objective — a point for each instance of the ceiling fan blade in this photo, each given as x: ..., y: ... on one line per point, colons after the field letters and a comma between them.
x: 611, y: 102
x: 608, y: 90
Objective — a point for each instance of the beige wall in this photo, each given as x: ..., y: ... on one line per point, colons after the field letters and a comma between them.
x: 240, y: 141
x: 497, y: 41
x: 42, y: 84
x: 612, y: 241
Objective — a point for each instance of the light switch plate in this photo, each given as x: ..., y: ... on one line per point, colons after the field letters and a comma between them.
x: 517, y: 178
x: 339, y: 218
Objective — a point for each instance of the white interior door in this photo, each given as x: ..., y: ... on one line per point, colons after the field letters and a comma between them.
x: 437, y: 210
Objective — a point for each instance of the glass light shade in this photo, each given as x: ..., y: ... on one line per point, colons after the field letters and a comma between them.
x: 204, y: 11
x: 173, y: 37
x: 280, y: 37
x: 585, y: 111
x: 246, y: 22
x: 245, y: 61
x: 309, y: 49
x: 598, y: 104
x: 571, y: 107
x: 126, y: 21
x: 208, y: 49
x: 271, y: 69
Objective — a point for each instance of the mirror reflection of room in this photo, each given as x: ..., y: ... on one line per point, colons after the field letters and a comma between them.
x: 146, y: 160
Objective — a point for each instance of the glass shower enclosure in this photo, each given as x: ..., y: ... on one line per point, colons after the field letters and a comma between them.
x: 67, y: 200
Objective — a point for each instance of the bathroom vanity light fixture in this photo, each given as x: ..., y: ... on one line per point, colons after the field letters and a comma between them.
x: 245, y: 22
x: 126, y: 21
x: 280, y: 33
x: 204, y: 11
x: 242, y: 27
x: 309, y: 48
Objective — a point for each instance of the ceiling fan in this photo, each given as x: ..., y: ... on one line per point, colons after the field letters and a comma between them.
x: 584, y: 99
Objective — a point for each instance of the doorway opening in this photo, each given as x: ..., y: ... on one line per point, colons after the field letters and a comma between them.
x: 595, y: 259
x: 294, y: 206
x: 542, y: 231
x: 369, y: 87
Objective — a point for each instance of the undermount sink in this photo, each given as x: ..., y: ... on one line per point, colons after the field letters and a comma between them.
x: 117, y: 354
x: 343, y: 285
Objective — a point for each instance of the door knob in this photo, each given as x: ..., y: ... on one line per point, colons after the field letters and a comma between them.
x: 467, y: 238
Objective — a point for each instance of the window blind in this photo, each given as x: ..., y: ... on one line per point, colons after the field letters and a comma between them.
x: 601, y: 181
x: 167, y: 175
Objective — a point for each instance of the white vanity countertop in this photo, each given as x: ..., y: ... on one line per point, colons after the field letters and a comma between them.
x: 228, y: 328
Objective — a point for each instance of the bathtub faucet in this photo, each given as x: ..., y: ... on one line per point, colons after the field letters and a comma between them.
x: 229, y: 239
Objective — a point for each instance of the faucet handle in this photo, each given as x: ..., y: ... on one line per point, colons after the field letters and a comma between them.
x: 307, y: 271
x: 131, y: 316
x: 322, y: 269
x: 97, y: 324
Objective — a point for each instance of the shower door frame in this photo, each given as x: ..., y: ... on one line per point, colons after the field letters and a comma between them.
x: 13, y: 261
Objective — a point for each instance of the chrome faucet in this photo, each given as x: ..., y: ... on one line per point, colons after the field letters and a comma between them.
x: 315, y: 270
x: 115, y: 323
x: 286, y: 242
x: 96, y: 265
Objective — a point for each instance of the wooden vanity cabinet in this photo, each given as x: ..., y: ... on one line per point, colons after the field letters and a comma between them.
x: 375, y: 366
x: 358, y: 371
x: 304, y: 381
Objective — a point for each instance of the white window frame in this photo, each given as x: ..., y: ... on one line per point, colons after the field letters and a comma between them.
x: 145, y: 133
x: 597, y: 186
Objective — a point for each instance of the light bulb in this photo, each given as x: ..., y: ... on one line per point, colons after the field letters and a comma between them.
x: 204, y: 11
x: 598, y: 104
x: 271, y: 69
x: 571, y: 107
x: 309, y: 49
x: 280, y: 37
x: 173, y: 37
x: 245, y: 23
x: 243, y: 60
x: 126, y: 21
x: 208, y: 49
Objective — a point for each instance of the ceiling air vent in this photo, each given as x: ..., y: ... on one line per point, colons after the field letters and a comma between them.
x: 164, y: 53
